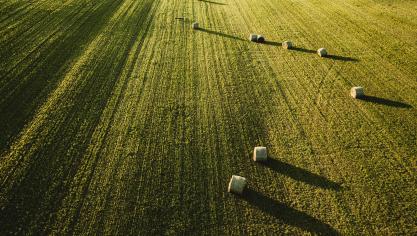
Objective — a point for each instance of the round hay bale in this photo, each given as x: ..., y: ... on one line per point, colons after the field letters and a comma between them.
x: 237, y: 184
x: 357, y: 92
x: 260, y: 154
x: 322, y: 52
x: 260, y: 39
x: 287, y: 45
x: 253, y: 37
x: 195, y: 25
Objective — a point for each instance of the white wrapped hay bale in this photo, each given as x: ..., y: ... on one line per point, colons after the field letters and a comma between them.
x: 253, y: 37
x: 195, y: 25
x: 322, y: 52
x: 237, y: 184
x: 287, y: 45
x: 260, y: 154
x: 260, y: 39
x: 357, y: 92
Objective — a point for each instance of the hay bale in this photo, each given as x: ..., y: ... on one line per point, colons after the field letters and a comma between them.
x: 322, y: 52
x: 237, y: 184
x: 195, y: 25
x: 260, y: 154
x: 287, y: 45
x: 253, y: 37
x: 260, y: 39
x: 357, y: 92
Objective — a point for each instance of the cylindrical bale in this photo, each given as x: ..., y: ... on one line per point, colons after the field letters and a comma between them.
x: 322, y: 52
x: 195, y: 25
x: 260, y: 154
x: 260, y: 39
x: 357, y: 92
x: 253, y: 37
x: 287, y: 45
x: 237, y: 184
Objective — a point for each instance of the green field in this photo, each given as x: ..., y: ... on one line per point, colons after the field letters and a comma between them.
x: 117, y: 118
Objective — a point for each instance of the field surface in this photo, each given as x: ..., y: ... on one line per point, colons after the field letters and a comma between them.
x: 117, y: 118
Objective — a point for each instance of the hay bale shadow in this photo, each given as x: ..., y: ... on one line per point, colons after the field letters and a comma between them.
x: 219, y: 34
x: 287, y: 214
x: 386, y: 102
x: 183, y: 19
x: 303, y: 50
x: 300, y: 174
x: 212, y: 2
x: 333, y: 57
x: 271, y: 43
x: 341, y: 58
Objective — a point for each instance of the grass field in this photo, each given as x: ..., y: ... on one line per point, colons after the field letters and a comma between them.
x: 117, y: 118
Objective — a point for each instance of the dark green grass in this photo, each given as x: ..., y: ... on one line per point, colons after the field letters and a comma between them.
x: 117, y: 118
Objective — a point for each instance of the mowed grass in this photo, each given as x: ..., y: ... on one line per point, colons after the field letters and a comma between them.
x: 118, y: 118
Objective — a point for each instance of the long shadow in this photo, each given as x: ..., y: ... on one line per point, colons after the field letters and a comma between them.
x: 300, y: 174
x: 27, y: 96
x: 183, y: 19
x: 211, y: 2
x: 384, y: 101
x: 333, y: 57
x: 304, y: 50
x: 271, y: 43
x: 286, y: 214
x: 40, y: 192
x: 341, y: 58
x: 220, y: 34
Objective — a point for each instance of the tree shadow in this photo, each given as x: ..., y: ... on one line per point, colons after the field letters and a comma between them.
x: 300, y: 174
x: 220, y: 34
x: 341, y: 58
x: 271, y: 43
x: 211, y: 2
x: 286, y: 214
x: 28, y: 87
x: 43, y: 186
x: 385, y: 102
